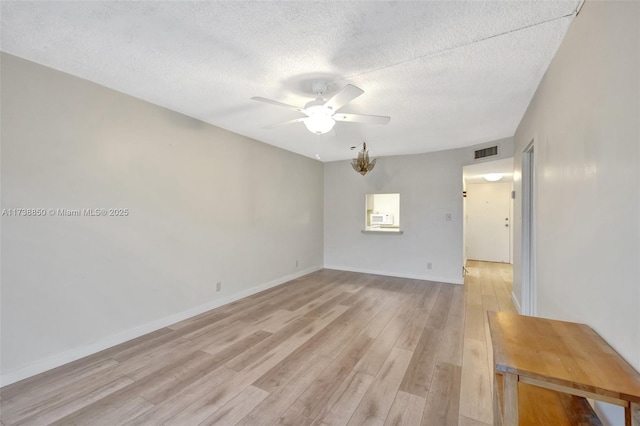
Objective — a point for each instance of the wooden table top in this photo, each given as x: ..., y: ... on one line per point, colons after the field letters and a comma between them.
x: 563, y: 353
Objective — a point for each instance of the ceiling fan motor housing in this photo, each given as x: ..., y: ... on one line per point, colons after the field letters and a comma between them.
x: 319, y: 87
x: 317, y: 107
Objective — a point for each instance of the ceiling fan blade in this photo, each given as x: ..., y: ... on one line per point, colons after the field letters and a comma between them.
x: 361, y: 118
x: 296, y: 120
x: 343, y: 97
x: 280, y: 104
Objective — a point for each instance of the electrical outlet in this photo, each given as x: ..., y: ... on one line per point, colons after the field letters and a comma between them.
x: 429, y: 265
x: 218, y: 286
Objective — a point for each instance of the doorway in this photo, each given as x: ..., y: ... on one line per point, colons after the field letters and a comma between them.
x: 488, y: 211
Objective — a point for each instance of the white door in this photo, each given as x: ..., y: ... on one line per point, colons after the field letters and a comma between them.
x: 488, y: 221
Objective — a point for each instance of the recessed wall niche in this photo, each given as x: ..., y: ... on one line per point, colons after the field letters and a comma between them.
x: 382, y: 212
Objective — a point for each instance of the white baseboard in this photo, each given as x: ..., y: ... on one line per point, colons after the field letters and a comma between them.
x: 80, y: 352
x: 425, y: 277
x: 516, y: 303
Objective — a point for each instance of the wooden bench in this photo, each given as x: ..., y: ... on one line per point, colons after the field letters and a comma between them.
x: 545, y: 369
x: 539, y: 406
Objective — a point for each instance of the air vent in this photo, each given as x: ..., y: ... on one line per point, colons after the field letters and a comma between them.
x: 486, y: 152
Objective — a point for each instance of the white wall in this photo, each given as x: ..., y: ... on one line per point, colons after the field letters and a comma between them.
x: 585, y: 121
x: 430, y: 186
x: 206, y: 205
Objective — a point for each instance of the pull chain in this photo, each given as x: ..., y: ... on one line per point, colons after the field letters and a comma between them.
x: 318, y: 147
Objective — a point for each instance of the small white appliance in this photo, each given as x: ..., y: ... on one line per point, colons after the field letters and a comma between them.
x: 381, y: 219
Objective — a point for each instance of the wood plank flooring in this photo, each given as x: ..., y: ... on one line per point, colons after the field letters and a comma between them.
x: 487, y: 288
x: 330, y: 348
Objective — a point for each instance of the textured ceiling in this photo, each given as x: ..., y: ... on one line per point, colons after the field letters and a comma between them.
x: 450, y: 74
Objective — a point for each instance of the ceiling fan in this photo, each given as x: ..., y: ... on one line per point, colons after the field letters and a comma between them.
x: 322, y: 115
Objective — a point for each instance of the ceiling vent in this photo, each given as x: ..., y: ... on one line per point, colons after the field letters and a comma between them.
x: 486, y: 152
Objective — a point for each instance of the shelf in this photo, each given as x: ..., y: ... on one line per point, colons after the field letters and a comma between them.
x: 390, y: 232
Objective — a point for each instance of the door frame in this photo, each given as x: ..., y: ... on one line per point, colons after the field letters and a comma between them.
x: 529, y: 293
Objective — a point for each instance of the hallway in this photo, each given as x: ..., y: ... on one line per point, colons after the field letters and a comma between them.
x: 487, y: 287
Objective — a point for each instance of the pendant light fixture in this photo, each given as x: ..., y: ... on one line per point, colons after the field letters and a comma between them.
x: 363, y: 164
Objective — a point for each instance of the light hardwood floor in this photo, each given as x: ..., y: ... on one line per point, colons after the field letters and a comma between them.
x: 330, y: 348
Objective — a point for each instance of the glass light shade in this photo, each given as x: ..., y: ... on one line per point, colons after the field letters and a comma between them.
x: 493, y: 177
x: 319, y: 124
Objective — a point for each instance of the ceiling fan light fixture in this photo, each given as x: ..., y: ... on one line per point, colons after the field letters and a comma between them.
x: 321, y: 115
x: 319, y: 124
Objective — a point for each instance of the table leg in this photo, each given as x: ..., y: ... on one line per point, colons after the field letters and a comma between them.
x: 632, y: 415
x: 510, y: 400
x: 497, y: 403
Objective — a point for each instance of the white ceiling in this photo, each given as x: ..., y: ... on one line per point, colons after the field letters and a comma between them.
x: 450, y: 74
